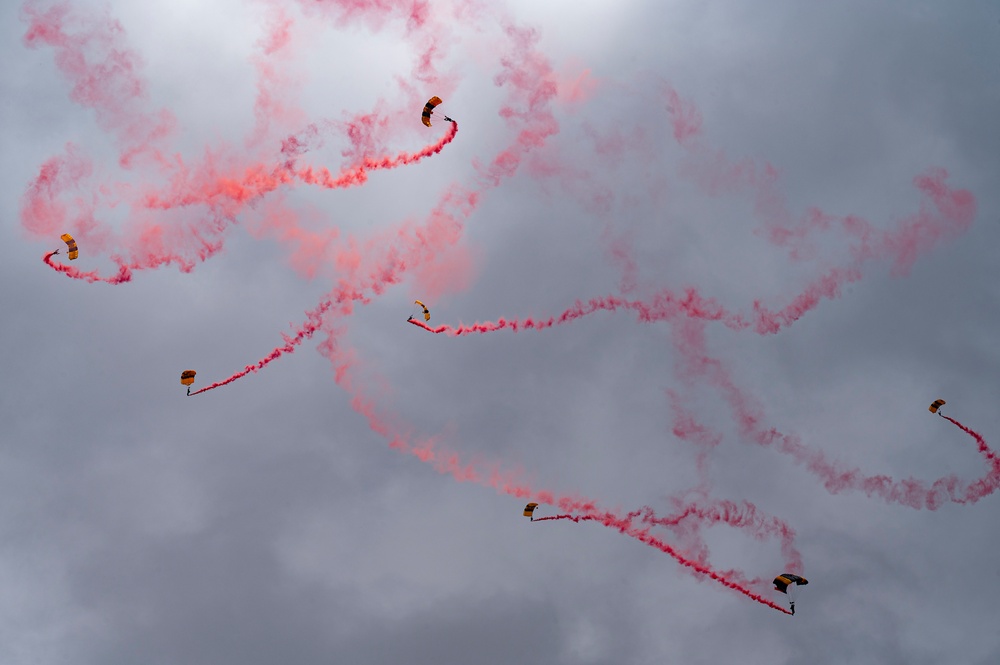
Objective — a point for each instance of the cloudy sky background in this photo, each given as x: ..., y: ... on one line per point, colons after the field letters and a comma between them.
x: 265, y: 521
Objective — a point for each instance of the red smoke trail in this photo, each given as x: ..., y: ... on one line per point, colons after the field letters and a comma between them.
x: 314, y: 320
x: 222, y: 194
x: 537, y: 126
x: 99, y: 63
x: 664, y: 306
x: 124, y: 273
x: 407, y: 251
x: 945, y: 212
x: 383, y: 267
x: 689, y: 339
x: 94, y: 55
x: 530, y: 81
x: 647, y: 519
x: 450, y: 463
x: 744, y: 516
x: 259, y: 180
x: 624, y: 525
x: 529, y: 77
x: 988, y: 484
x: 274, y: 106
x: 667, y: 305
x: 106, y: 74
x: 359, y: 174
x: 949, y: 210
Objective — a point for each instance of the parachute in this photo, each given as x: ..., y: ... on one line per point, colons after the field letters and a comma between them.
x: 784, y: 580
x: 74, y: 251
x: 530, y: 509
x: 784, y: 583
x: 429, y: 109
x: 187, y: 378
x: 427, y: 312
x: 935, y: 405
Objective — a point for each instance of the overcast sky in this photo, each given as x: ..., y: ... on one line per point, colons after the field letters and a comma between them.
x: 831, y: 168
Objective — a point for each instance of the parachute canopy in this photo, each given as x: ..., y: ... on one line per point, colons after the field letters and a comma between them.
x: 529, y: 509
x: 784, y: 580
x: 427, y: 312
x: 187, y: 377
x: 425, y: 117
x: 428, y: 109
x: 74, y: 251
x: 935, y: 405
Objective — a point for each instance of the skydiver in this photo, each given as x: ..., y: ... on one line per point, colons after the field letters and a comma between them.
x: 793, y: 608
x: 189, y: 391
x: 448, y: 119
x: 55, y: 252
x: 409, y: 318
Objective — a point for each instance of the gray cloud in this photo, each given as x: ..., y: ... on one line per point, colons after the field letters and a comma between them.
x: 266, y: 522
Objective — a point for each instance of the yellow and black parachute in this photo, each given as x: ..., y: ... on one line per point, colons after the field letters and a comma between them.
x: 787, y: 583
x: 425, y: 117
x: 427, y: 312
x: 784, y: 580
x: 935, y: 405
x: 530, y: 509
x: 74, y: 251
x: 187, y: 377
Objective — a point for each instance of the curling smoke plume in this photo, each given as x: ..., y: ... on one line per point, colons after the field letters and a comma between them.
x: 748, y: 413
x: 181, y: 210
x: 93, y: 53
x: 944, y: 211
